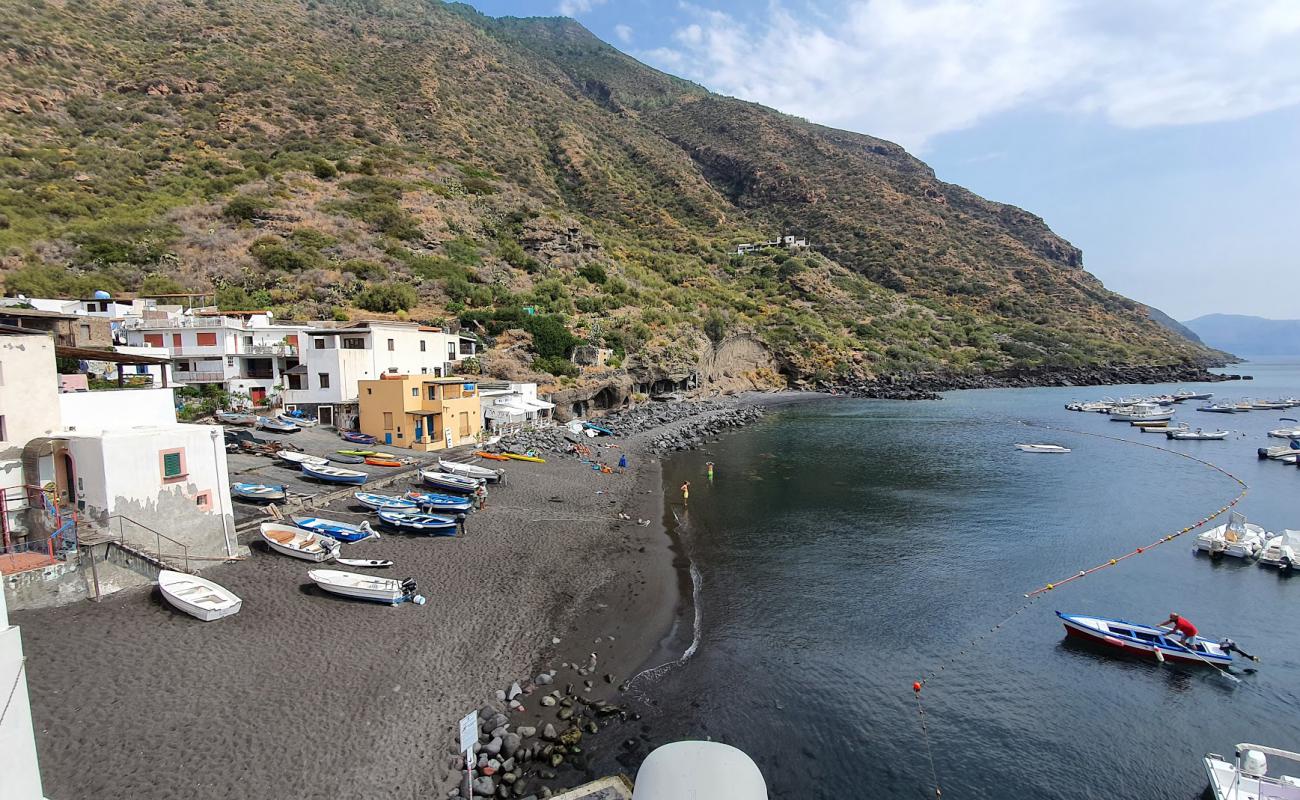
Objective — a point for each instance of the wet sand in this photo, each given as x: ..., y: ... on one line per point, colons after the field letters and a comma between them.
x: 303, y: 694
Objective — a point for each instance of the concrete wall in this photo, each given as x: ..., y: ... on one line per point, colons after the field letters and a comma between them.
x: 120, y: 472
x: 89, y: 412
x: 29, y: 402
x: 20, y: 775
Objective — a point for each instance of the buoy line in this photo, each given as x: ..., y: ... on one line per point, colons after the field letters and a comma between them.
x: 1033, y: 595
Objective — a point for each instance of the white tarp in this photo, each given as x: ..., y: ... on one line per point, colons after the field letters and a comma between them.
x: 505, y: 411
x: 537, y: 404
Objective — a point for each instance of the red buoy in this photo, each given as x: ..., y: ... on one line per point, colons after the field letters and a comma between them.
x: 916, y: 686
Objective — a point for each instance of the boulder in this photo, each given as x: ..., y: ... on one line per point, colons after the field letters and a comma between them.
x: 484, y: 787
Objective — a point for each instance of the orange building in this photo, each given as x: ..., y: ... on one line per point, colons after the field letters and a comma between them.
x: 420, y: 412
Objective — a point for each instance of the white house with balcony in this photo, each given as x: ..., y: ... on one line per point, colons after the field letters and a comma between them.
x: 509, y: 407
x: 246, y: 353
x: 324, y: 382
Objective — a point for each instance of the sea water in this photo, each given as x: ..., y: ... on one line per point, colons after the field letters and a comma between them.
x: 848, y: 548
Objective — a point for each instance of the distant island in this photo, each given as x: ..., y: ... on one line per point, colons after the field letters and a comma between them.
x: 1246, y: 335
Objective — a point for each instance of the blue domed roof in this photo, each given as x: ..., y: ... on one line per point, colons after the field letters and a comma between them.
x: 103, y: 295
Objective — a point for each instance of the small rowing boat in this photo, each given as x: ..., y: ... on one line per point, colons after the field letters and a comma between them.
x: 424, y: 523
x: 1197, y: 435
x: 369, y: 563
x: 1144, y: 640
x: 470, y: 470
x: 274, y: 425
x: 198, y: 597
x: 340, y: 458
x: 441, y: 502
x: 324, y: 472
x: 299, y: 543
x: 445, y: 480
x: 1042, y: 448
x: 363, y: 587
x: 236, y: 418
x: 297, y: 458
x: 261, y: 492
x: 382, y: 501
x: 343, y: 531
x: 357, y: 437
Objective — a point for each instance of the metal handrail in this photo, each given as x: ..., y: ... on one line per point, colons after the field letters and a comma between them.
x: 158, y: 539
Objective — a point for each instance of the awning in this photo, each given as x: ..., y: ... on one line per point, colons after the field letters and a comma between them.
x: 537, y: 405
x: 505, y: 411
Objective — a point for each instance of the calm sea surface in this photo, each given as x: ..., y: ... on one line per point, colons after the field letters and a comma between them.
x: 847, y: 548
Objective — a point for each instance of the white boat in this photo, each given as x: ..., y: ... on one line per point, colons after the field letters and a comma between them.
x: 297, y: 458
x: 1184, y: 394
x: 299, y: 543
x: 197, y: 596
x: 470, y: 470
x: 1285, y: 433
x: 1042, y: 448
x: 363, y: 587
x: 1145, y: 412
x: 1098, y: 406
x: 1279, y: 453
x: 446, y: 480
x: 1197, y: 435
x: 1221, y: 408
x: 1246, y: 776
x: 1236, y: 537
x: 1165, y: 429
x: 1270, y: 405
x: 1282, y: 551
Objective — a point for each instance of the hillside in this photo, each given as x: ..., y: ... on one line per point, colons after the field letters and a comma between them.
x: 1172, y: 324
x: 345, y: 158
x: 1254, y: 336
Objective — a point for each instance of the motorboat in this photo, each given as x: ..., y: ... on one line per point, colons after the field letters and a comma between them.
x: 1280, y: 452
x: 436, y: 524
x: 299, y: 542
x: 1246, y: 776
x: 382, y: 501
x: 329, y: 474
x: 274, y: 425
x: 1197, y: 435
x: 364, y: 587
x: 1270, y: 405
x: 1144, y: 640
x: 1220, y: 408
x: 446, y: 480
x: 356, y: 437
x: 1282, y: 551
x: 470, y: 470
x: 1156, y: 423
x: 235, y: 418
x: 261, y: 492
x: 1184, y: 394
x: 198, y: 597
x: 297, y: 458
x: 301, y: 422
x: 1285, y: 433
x: 441, y: 502
x: 1042, y: 448
x: 343, y: 531
x: 1236, y: 537
x: 1144, y: 412
x: 1165, y: 429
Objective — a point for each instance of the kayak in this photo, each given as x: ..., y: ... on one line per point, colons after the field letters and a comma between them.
x: 522, y: 457
x: 491, y: 456
x: 382, y: 462
x: 362, y: 453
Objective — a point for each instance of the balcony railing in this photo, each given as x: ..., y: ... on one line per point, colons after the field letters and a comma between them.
x: 198, y: 377
x: 278, y: 349
x: 194, y: 322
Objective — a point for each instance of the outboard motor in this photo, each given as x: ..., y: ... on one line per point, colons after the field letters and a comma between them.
x: 1254, y: 764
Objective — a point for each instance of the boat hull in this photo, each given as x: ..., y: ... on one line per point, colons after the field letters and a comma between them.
x: 469, y: 471
x: 175, y: 587
x: 376, y: 590
x: 348, y: 477
x: 380, y: 502
x: 341, y: 531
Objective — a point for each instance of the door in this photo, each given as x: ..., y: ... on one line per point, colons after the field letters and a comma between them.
x: 325, y: 414
x: 257, y: 394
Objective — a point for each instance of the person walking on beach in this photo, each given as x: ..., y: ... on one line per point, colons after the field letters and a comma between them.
x: 686, y: 492
x: 622, y: 462
x: 1182, y: 626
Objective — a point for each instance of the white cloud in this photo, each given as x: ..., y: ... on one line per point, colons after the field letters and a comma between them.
x: 623, y: 32
x: 572, y: 8
x: 910, y: 70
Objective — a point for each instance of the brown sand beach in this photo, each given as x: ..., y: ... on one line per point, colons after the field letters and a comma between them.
x: 303, y: 694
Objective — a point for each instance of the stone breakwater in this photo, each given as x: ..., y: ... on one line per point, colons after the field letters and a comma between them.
x: 534, y: 732
x: 928, y: 385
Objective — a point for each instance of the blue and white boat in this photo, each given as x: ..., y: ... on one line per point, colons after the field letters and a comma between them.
x: 262, y: 492
x: 436, y: 524
x: 382, y: 501
x: 1144, y: 640
x: 276, y: 425
x: 599, y: 429
x: 324, y: 472
x: 441, y: 502
x: 343, y: 531
x: 445, y: 480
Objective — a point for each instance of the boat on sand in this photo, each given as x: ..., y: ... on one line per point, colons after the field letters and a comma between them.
x: 343, y: 531
x: 198, y: 597
x: 299, y: 542
x: 470, y: 470
x: 364, y: 587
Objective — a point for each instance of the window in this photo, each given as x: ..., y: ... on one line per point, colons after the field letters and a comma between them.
x: 392, y: 345
x: 324, y: 379
x: 248, y: 341
x: 230, y: 361
x: 172, y: 465
x: 206, y: 339
x: 451, y: 351
x: 203, y: 500
x: 422, y: 344
x: 183, y: 366
x: 354, y: 343
x: 141, y: 369
x: 85, y: 332
x: 154, y: 339
x: 388, y: 420
x: 466, y: 347
x: 176, y: 340
x: 424, y: 370
x: 433, y: 392
x: 415, y: 391
x: 393, y: 370
x: 295, y: 382
x: 319, y: 343
x: 369, y: 390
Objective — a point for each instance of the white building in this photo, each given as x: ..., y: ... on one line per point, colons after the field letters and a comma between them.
x: 245, y: 353
x: 333, y: 360
x: 22, y: 775
x: 29, y: 407
x: 512, y: 406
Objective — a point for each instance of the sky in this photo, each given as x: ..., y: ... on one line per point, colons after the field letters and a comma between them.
x: 1160, y: 136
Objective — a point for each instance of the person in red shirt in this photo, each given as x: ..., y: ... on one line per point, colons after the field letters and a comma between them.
x: 1182, y: 626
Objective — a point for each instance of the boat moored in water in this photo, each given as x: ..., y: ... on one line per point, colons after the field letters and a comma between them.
x: 1236, y: 537
x: 1042, y: 448
x: 1282, y: 551
x: 1197, y: 435
x: 1143, y: 412
x: 1144, y: 640
x: 1221, y: 408
x: 1246, y: 776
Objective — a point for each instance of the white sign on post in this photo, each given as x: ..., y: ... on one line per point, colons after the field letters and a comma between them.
x: 469, y: 732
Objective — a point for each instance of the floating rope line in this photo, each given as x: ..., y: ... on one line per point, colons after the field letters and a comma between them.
x: 1163, y: 539
x: 1032, y: 596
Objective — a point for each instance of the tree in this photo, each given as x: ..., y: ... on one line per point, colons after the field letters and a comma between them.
x: 387, y: 298
x: 715, y: 326
x: 551, y: 338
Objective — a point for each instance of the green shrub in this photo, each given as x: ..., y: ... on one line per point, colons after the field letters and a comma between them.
x: 160, y: 284
x: 270, y: 252
x: 551, y: 337
x: 363, y: 269
x: 324, y: 169
x: 715, y: 326
x: 594, y: 273
x: 387, y: 297
x: 312, y: 238
x: 339, y: 314
x: 244, y: 208
x: 555, y: 365
x: 123, y: 243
